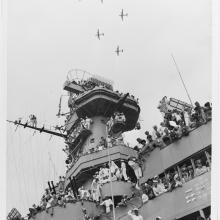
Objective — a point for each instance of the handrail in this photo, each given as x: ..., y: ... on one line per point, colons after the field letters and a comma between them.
x: 100, y: 154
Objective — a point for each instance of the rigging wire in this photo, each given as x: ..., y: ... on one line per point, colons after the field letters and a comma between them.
x: 40, y: 162
x: 22, y: 168
x: 48, y: 166
x: 109, y: 160
x: 33, y: 166
x: 53, y: 166
x: 44, y: 179
x: 31, y: 162
x: 177, y: 68
x: 14, y: 162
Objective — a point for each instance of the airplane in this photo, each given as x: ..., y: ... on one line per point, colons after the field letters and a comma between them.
x: 118, y: 51
x: 99, y: 34
x: 122, y: 15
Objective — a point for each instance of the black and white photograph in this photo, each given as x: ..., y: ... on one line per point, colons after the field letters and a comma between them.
x: 109, y: 110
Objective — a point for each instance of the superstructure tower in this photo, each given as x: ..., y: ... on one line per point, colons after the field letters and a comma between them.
x: 98, y: 117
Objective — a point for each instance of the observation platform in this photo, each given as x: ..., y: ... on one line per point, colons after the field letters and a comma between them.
x: 101, y: 101
x: 88, y: 162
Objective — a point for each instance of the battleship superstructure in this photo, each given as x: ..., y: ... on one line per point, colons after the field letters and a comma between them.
x: 93, y: 130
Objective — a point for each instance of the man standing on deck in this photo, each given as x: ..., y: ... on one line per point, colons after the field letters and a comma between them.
x: 33, y: 120
x: 134, y: 214
x: 124, y: 170
x: 132, y: 162
x: 95, y: 187
x: 107, y: 203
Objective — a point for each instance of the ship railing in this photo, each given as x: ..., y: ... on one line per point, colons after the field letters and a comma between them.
x: 168, y: 139
x: 116, y: 93
x: 185, y: 170
x: 190, y: 196
x: 51, y: 209
x: 96, y: 150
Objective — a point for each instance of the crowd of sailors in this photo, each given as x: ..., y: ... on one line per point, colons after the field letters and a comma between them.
x: 176, y: 176
x: 86, y: 123
x: 175, y: 125
x: 118, y: 171
x: 90, y: 85
x: 57, y: 196
x: 103, y: 144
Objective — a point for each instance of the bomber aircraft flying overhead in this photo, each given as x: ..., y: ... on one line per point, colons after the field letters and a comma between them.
x: 99, y: 34
x: 122, y: 15
x: 118, y: 51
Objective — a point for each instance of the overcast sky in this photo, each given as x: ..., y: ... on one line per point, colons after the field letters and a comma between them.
x: 47, y: 38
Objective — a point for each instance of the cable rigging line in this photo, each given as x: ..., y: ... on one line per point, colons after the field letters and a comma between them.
x: 34, y: 167
x: 38, y: 161
x: 51, y: 166
x: 52, y: 163
x: 14, y: 162
x: 48, y: 166
x: 44, y: 176
x: 22, y: 168
x: 177, y: 68
x: 33, y: 164
x: 109, y: 160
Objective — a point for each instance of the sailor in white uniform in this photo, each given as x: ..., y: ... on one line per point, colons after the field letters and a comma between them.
x: 134, y: 214
x: 107, y: 203
x: 123, y: 170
